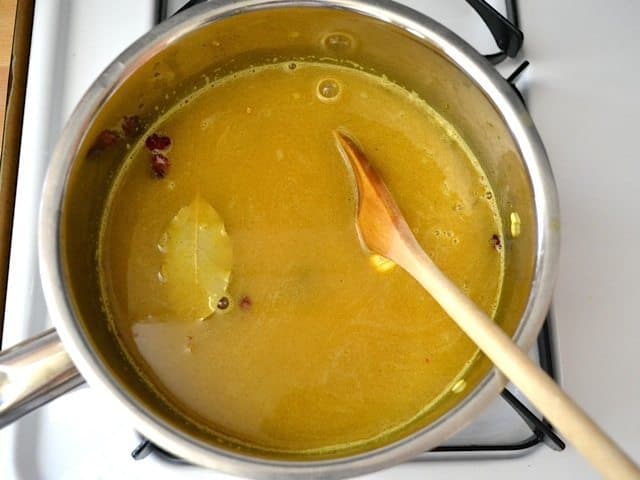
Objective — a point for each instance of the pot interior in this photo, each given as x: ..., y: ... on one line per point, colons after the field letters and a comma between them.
x: 182, y: 59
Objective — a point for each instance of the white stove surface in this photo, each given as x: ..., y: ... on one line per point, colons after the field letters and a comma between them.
x: 581, y: 90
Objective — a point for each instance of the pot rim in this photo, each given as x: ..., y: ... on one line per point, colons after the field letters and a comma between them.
x: 480, y: 71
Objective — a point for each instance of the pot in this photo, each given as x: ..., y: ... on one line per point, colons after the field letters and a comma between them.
x: 204, y: 43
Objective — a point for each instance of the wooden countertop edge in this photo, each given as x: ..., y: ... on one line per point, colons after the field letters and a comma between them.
x: 12, y: 134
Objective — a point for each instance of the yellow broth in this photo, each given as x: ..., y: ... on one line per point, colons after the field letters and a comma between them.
x: 322, y: 347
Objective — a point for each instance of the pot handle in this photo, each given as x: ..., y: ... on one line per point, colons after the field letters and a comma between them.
x: 33, y: 373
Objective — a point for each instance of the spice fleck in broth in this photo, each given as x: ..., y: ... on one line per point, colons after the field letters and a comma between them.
x: 233, y: 273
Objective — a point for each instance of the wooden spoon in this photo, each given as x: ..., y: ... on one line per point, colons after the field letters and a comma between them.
x: 383, y: 230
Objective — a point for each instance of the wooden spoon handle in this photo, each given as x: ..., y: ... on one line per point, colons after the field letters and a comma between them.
x: 536, y: 385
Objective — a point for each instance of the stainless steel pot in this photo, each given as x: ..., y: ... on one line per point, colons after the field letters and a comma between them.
x: 206, y: 42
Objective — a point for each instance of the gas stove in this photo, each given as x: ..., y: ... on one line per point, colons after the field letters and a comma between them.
x: 81, y: 435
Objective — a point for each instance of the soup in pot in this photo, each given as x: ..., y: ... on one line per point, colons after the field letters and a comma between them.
x: 234, y: 278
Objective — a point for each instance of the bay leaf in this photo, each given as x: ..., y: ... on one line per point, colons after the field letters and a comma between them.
x: 197, y: 260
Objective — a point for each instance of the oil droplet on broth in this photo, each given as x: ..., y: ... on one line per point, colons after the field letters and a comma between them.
x: 338, y: 42
x: 328, y: 90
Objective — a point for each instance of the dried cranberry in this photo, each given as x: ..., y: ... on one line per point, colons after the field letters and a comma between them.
x: 159, y: 165
x: 495, y: 242
x: 245, y: 303
x: 155, y: 142
x: 131, y: 126
x: 106, y: 139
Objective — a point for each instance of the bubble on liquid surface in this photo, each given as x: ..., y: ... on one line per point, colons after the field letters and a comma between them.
x: 328, y: 90
x: 338, y: 42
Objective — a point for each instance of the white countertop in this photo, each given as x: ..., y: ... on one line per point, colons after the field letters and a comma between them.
x: 582, y: 91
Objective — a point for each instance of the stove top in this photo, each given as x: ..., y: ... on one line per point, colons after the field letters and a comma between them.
x: 72, y: 42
